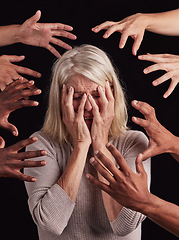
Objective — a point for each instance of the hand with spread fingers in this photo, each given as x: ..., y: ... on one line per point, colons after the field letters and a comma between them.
x: 130, y: 189
x: 167, y: 62
x: 13, y: 97
x: 123, y: 183
x: 74, y: 121
x: 132, y: 26
x: 102, y: 116
x: 11, y: 160
x: 42, y: 34
x: 10, y: 72
x: 135, y: 26
x: 160, y: 139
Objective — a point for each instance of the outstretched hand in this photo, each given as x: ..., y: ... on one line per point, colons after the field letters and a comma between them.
x: 167, y: 62
x: 11, y: 159
x: 42, y: 34
x: 133, y: 26
x: 128, y: 188
x: 13, y: 97
x: 10, y: 72
x: 160, y: 139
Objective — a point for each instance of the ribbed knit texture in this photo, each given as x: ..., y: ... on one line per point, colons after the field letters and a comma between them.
x: 58, y: 217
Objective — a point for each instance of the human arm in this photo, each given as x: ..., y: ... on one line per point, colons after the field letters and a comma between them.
x: 136, y: 24
x: 37, y: 34
x: 130, y: 144
x: 10, y: 72
x: 167, y: 62
x: 75, y: 124
x: 130, y: 189
x: 160, y: 139
x: 13, y: 97
x: 102, y: 119
x: 11, y: 161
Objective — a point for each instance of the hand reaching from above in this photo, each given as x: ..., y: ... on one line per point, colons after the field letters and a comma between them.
x: 133, y: 26
x: 167, y: 62
x: 13, y: 97
x: 11, y: 159
x: 42, y: 34
x: 10, y: 72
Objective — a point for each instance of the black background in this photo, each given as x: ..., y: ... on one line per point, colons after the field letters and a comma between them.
x: 15, y: 218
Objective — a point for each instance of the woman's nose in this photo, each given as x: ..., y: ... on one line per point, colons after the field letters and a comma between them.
x: 88, y: 106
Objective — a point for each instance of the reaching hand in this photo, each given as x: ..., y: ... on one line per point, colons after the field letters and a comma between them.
x: 126, y: 187
x: 11, y: 161
x: 13, y: 97
x: 133, y: 26
x: 10, y: 72
x: 167, y: 62
x: 42, y: 34
x: 160, y: 139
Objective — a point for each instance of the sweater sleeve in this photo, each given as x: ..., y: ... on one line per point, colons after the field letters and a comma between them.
x: 50, y: 206
x: 133, y: 144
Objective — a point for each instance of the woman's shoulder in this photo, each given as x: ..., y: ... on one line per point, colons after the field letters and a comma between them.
x: 130, y: 138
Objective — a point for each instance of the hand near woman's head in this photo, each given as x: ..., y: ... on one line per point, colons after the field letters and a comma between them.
x: 33, y: 33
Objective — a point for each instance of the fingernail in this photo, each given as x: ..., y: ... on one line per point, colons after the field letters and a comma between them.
x: 135, y: 102
x: 43, y: 163
x: 146, y: 70
x: 92, y: 160
x: 38, y: 91
x: 105, y: 35
x: 96, y: 152
x: 134, y: 118
x: 39, y: 74
x: 155, y: 83
x: 15, y: 133
x: 31, y: 82
x: 33, y: 179
x: 36, y: 103
x: 63, y: 86
x: 108, y: 144
x: 87, y: 176
x: 34, y: 139
x: 43, y: 152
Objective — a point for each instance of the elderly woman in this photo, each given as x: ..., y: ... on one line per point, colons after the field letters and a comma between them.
x: 86, y: 109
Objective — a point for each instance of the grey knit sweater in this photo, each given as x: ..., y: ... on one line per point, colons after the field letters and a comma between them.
x: 58, y: 217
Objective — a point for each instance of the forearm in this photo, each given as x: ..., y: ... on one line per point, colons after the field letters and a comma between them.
x: 163, y: 213
x: 163, y: 23
x: 9, y: 35
x: 112, y: 207
x: 71, y: 177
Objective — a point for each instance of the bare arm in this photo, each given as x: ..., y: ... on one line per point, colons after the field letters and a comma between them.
x: 71, y: 177
x: 130, y: 190
x: 31, y: 32
x: 136, y: 24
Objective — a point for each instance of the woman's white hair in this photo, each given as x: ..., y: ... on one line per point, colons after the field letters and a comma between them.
x: 94, y: 64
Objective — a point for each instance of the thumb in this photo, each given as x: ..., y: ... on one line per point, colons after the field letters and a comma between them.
x: 139, y: 164
x: 36, y: 17
x: 10, y: 127
x: 2, y: 142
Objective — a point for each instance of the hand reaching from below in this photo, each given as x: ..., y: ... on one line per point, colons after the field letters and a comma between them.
x: 11, y: 160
